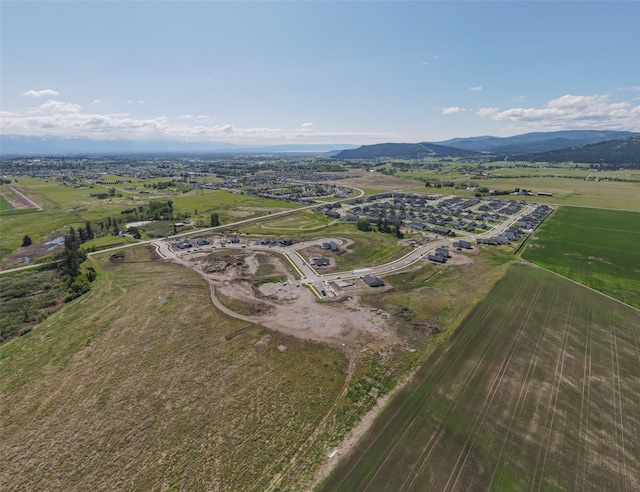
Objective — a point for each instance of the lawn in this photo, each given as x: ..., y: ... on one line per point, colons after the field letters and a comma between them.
x: 596, y: 247
x: 537, y: 390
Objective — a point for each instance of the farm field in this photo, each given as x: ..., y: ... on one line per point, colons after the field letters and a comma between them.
x: 136, y: 388
x: 5, y: 206
x: 595, y: 247
x: 537, y: 389
x: 619, y: 195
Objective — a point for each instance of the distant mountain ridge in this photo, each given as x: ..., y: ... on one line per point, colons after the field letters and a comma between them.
x: 403, y: 151
x: 18, y: 144
x: 535, y: 142
x: 572, y: 145
x: 612, y: 154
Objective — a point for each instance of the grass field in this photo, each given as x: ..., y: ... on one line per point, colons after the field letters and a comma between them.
x: 537, y: 390
x: 599, y: 248
x: 65, y: 205
x: 5, y: 206
x: 134, y: 387
x: 566, y: 191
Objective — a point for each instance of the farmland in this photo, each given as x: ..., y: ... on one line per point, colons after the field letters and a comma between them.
x: 537, y: 389
x: 596, y: 247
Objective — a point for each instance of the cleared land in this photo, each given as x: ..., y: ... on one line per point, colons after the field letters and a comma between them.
x: 596, y: 247
x: 538, y: 389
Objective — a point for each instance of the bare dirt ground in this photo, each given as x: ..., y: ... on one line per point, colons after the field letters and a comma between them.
x: 28, y: 254
x: 288, y: 306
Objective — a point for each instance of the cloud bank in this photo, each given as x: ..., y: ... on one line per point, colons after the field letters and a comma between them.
x: 66, y: 119
x: 570, y: 111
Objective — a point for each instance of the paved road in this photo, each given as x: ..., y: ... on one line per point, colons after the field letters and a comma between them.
x: 307, y: 273
x: 320, y: 282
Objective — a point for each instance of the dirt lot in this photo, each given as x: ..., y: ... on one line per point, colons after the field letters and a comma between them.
x: 288, y: 306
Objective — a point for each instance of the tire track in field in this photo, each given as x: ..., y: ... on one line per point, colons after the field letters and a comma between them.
x: 488, y: 401
x: 557, y: 382
x: 524, y: 389
x: 305, y: 445
x: 437, y: 435
x: 617, y: 402
x: 583, y: 450
x: 453, y: 360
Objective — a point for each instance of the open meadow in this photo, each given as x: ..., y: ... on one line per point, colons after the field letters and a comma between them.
x: 596, y: 247
x: 64, y: 205
x: 134, y: 386
x: 536, y: 390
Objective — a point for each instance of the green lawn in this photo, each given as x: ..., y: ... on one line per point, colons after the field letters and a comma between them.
x: 596, y: 247
x: 537, y: 390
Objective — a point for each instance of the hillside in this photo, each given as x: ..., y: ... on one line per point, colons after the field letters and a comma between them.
x: 402, y: 151
x: 610, y: 154
x: 535, y: 142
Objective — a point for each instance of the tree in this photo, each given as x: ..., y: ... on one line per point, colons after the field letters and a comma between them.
x: 71, y: 256
x: 363, y: 225
x: 26, y: 241
x: 215, y: 220
x: 89, y: 230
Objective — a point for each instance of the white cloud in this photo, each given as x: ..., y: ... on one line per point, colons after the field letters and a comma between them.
x: 59, y: 106
x: 135, y: 101
x: 476, y: 88
x: 569, y: 111
x: 41, y: 93
x: 63, y: 119
x: 452, y: 110
x: 96, y: 101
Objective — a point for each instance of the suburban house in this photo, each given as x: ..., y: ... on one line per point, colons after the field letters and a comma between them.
x: 332, y: 245
x: 462, y: 244
x: 372, y: 281
x: 437, y: 258
x: 320, y: 262
x: 442, y: 252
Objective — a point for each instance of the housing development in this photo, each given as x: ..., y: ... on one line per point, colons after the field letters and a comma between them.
x: 309, y: 323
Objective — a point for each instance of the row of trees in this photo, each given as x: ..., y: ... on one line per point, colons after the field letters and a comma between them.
x: 69, y: 261
x: 382, y: 225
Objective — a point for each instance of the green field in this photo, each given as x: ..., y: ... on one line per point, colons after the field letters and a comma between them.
x: 596, y: 247
x: 537, y: 390
x: 5, y: 206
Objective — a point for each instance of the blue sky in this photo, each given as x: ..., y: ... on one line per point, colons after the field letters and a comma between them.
x: 317, y: 72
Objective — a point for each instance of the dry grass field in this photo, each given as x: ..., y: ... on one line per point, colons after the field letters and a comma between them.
x: 537, y: 390
x: 134, y: 387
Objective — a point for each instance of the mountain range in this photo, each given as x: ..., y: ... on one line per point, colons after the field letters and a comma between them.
x: 603, y: 147
x: 23, y: 145
x: 495, y: 146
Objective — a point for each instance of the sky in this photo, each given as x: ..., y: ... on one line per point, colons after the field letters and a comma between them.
x: 347, y: 72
